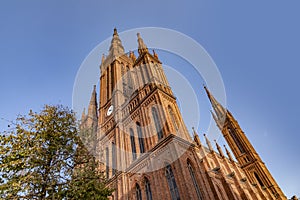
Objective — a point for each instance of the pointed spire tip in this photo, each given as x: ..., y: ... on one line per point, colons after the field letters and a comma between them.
x: 115, y: 31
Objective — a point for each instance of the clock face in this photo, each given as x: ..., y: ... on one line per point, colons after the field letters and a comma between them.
x: 110, y: 110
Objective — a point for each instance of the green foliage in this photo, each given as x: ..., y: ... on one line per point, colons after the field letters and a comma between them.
x: 42, y: 157
x: 87, y: 173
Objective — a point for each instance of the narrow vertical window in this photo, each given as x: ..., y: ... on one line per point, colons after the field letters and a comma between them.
x: 112, y: 78
x: 192, y: 173
x: 124, y: 80
x: 172, y: 183
x: 107, y: 82
x: 148, y: 189
x: 141, y: 138
x: 157, y: 123
x: 258, y: 179
x: 114, y: 159
x: 133, y: 148
x: 140, y: 68
x: 138, y: 192
x: 145, y: 68
x: 171, y: 113
x: 107, y: 162
x: 236, y: 140
x: 129, y: 80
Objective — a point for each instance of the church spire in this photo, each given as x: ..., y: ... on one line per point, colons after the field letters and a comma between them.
x: 92, y: 110
x: 220, y: 111
x: 142, y: 47
x: 242, y: 149
x: 116, y: 48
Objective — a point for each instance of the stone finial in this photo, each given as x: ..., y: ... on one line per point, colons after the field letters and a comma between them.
x: 208, y: 143
x: 83, y: 114
x: 155, y: 54
x: 219, y: 149
x: 115, y: 31
x: 103, y: 58
x: 196, y: 137
x: 141, y: 45
x: 132, y: 56
x: 228, y: 154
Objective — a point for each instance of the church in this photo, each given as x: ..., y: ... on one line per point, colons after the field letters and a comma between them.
x: 145, y: 149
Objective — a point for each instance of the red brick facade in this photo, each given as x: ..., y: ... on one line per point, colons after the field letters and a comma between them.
x: 147, y: 147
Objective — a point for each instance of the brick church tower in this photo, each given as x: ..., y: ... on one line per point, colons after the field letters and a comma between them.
x: 145, y: 147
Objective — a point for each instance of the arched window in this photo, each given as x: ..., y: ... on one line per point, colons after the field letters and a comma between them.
x: 141, y: 138
x: 133, y: 148
x: 192, y: 173
x: 148, y: 189
x: 171, y: 113
x: 172, y: 183
x: 236, y: 140
x: 138, y: 192
x: 157, y: 123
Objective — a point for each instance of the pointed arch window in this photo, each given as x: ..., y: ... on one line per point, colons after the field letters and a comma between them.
x: 157, y: 123
x: 138, y: 192
x: 148, y: 189
x: 236, y: 140
x: 172, y: 183
x: 173, y: 118
x: 132, y: 141
x: 192, y: 173
x: 141, y: 138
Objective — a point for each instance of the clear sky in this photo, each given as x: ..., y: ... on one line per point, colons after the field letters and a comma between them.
x: 255, y: 45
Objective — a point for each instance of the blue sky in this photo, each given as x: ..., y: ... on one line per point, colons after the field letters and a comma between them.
x: 255, y: 45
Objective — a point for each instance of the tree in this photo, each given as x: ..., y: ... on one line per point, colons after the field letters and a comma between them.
x: 39, y: 159
x: 87, y: 180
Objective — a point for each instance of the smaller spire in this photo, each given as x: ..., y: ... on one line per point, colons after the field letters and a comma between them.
x: 218, y: 108
x: 155, y: 54
x: 142, y: 47
x: 219, y: 149
x: 196, y: 138
x: 132, y: 56
x: 92, y: 110
x: 103, y: 58
x: 216, y: 119
x: 83, y: 114
x: 116, y: 48
x: 208, y: 143
x: 228, y: 154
